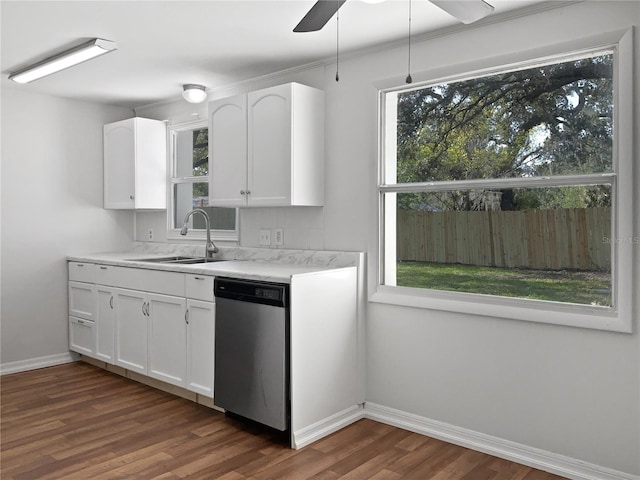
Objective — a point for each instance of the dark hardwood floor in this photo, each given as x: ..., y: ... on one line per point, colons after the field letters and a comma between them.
x: 76, y: 421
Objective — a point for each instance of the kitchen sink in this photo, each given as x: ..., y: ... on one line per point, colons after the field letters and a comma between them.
x: 175, y: 259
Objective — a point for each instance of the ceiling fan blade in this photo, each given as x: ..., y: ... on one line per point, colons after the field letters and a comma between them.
x: 319, y: 15
x: 467, y: 11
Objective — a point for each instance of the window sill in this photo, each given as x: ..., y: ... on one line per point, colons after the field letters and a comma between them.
x: 539, y: 311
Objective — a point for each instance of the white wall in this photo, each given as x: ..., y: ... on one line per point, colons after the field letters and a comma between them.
x: 303, y: 226
x: 569, y: 391
x: 51, y: 207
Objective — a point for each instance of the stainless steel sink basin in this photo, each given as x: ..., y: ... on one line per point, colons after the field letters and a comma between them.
x: 175, y: 259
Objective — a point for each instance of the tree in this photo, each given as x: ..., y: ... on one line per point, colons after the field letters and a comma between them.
x: 201, y: 161
x: 548, y: 120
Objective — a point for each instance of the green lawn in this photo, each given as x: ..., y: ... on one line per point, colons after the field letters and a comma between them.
x: 590, y: 288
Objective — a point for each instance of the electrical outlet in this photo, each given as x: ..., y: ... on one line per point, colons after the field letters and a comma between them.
x: 278, y: 237
x: 265, y: 238
x: 150, y: 234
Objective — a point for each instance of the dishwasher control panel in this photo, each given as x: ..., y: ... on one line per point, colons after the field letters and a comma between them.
x: 254, y: 291
x: 267, y: 293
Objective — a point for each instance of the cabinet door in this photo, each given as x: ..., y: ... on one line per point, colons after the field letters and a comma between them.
x: 119, y: 164
x: 200, y: 346
x: 82, y: 300
x: 105, y: 324
x: 228, y: 152
x: 150, y: 164
x: 82, y: 336
x: 167, y: 339
x: 269, y: 146
x: 131, y: 330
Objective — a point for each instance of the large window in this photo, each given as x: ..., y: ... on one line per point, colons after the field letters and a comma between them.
x: 502, y: 188
x: 190, y: 184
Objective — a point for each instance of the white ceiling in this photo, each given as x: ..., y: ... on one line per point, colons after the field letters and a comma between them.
x: 165, y: 44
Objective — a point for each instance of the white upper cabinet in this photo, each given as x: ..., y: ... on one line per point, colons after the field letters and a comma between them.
x: 228, y: 151
x: 267, y: 148
x: 135, y: 164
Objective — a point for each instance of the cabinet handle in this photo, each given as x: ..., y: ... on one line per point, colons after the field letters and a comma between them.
x: 111, y: 302
x: 81, y: 322
x: 102, y: 267
x: 130, y: 197
x: 242, y: 192
x: 80, y: 264
x: 147, y: 309
x: 248, y: 192
x: 186, y: 316
x: 198, y: 278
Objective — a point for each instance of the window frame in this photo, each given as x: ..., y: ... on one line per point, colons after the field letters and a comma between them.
x: 617, y: 318
x: 173, y: 233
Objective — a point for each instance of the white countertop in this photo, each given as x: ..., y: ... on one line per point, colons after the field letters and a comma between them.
x: 249, y: 269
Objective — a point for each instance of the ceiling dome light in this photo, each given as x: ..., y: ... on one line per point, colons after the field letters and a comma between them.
x: 193, y: 93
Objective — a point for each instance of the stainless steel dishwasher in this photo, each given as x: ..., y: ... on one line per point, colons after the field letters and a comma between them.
x: 251, y: 376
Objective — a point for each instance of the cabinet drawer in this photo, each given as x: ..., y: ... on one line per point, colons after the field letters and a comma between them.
x: 153, y: 281
x: 199, y: 287
x: 105, y: 275
x: 82, y: 336
x: 82, y: 300
x: 82, y: 272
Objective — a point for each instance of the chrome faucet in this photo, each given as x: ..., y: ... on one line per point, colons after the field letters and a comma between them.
x: 211, y: 248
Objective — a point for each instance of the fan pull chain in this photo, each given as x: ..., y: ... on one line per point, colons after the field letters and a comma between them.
x: 409, y: 79
x: 337, y: 44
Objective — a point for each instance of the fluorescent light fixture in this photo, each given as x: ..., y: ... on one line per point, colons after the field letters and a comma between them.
x: 467, y: 11
x: 68, y: 58
x: 193, y: 93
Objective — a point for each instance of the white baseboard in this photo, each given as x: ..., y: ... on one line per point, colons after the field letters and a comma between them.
x: 40, y: 362
x: 532, y: 457
x: 326, y: 426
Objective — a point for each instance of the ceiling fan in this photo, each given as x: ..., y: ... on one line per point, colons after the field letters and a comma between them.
x: 467, y: 11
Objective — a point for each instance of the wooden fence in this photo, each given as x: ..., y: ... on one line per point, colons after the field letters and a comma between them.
x: 568, y: 238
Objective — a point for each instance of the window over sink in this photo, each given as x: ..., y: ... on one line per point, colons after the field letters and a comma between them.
x: 190, y: 182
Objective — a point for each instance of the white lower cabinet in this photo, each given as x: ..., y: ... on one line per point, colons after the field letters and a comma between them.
x: 82, y: 300
x: 161, y: 324
x: 167, y: 328
x: 105, y: 324
x: 200, y: 346
x: 82, y: 336
x: 82, y: 314
x: 131, y: 330
x: 165, y: 331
